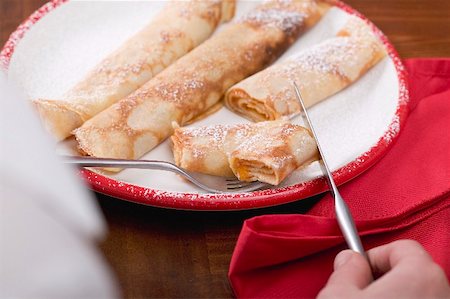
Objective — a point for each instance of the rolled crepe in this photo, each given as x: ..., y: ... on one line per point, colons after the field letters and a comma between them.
x: 177, y: 29
x: 197, y: 81
x: 320, y: 72
x: 265, y: 151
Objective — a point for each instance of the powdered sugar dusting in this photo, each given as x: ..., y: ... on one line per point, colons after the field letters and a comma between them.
x: 393, y: 130
x: 324, y: 58
x: 215, y: 134
x: 284, y: 20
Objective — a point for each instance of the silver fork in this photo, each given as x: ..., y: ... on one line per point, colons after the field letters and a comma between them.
x: 210, y: 183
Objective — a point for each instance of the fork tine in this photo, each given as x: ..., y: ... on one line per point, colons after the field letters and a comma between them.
x: 231, y: 187
x: 238, y: 184
x: 252, y: 186
x: 232, y: 179
x: 236, y: 181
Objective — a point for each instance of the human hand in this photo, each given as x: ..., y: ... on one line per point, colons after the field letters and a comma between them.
x: 406, y: 271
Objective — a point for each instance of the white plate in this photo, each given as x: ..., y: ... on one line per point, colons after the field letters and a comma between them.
x: 354, y: 126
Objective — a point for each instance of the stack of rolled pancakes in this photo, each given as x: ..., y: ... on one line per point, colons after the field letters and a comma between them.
x: 197, y: 81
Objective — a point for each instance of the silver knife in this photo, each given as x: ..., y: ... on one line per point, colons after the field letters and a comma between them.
x: 343, y: 215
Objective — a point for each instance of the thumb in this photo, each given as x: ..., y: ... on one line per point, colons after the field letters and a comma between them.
x: 351, y: 273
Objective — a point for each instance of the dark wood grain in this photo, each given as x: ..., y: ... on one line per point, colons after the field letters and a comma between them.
x: 168, y: 253
x: 417, y: 28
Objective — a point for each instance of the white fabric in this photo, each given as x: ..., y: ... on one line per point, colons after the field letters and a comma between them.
x: 49, y: 222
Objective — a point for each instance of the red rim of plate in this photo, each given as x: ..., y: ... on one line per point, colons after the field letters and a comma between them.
x: 258, y: 199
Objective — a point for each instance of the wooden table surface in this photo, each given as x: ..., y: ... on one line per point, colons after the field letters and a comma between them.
x: 167, y: 253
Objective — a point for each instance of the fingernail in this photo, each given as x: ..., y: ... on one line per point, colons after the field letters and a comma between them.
x: 342, y: 258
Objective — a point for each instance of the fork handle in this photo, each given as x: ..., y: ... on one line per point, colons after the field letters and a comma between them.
x: 141, y: 164
x: 122, y: 163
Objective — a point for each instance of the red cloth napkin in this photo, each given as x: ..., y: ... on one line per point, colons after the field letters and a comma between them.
x: 406, y: 195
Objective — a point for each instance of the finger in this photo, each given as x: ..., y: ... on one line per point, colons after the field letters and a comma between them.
x: 412, y: 279
x: 386, y: 257
x: 409, y: 272
x: 351, y: 274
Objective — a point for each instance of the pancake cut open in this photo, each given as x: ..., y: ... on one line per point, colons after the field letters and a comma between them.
x: 265, y: 151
